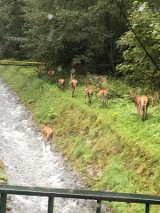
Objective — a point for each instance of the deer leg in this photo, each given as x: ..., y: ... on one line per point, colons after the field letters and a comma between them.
x: 104, y: 103
x: 89, y: 100
x: 50, y: 144
x: 74, y: 90
x: 145, y: 113
x: 138, y: 112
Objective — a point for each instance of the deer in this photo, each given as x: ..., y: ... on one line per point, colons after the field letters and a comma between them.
x: 61, y: 83
x: 73, y: 83
x: 142, y: 103
x: 39, y: 70
x: 88, y: 94
x: 51, y: 74
x: 103, y: 95
x: 47, y: 133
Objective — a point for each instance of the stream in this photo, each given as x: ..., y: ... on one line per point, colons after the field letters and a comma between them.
x: 28, y: 164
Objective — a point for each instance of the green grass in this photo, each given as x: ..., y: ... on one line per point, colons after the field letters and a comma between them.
x: 113, y: 148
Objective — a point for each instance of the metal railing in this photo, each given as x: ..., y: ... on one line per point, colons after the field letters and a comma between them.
x: 98, y: 196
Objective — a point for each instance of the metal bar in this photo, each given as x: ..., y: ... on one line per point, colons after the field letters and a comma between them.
x: 3, y: 203
x: 147, y: 207
x: 50, y: 204
x: 98, y: 210
x: 98, y: 196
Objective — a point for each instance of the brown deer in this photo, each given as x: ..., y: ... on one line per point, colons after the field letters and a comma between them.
x: 73, y: 83
x: 61, y: 83
x: 88, y: 94
x: 142, y: 103
x: 47, y: 133
x: 103, y: 95
x: 51, y: 74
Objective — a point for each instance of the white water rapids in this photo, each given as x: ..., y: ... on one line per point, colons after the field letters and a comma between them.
x: 21, y: 150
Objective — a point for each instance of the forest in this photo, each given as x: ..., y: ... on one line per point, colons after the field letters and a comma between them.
x: 110, y: 37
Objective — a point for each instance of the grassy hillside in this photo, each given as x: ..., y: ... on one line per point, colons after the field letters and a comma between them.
x: 113, y: 148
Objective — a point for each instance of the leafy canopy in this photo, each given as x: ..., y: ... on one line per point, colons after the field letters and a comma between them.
x: 137, y: 66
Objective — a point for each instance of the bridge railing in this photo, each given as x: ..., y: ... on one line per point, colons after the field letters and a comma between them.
x: 98, y: 196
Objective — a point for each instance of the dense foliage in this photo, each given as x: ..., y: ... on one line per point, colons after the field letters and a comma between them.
x: 141, y: 47
x: 64, y: 33
x: 60, y: 32
x: 12, y: 32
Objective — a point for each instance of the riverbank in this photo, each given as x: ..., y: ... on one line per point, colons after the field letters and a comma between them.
x: 28, y: 163
x: 111, y: 146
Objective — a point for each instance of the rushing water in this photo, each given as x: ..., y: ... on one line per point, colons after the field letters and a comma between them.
x: 27, y: 164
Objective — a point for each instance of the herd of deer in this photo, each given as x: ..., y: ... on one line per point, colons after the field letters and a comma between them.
x: 89, y: 91
x: 142, y: 102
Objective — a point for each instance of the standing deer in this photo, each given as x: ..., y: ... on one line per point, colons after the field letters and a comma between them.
x: 61, y: 83
x: 51, y: 74
x: 103, y: 95
x: 89, y: 94
x: 47, y: 134
x: 73, y: 83
x: 142, y: 103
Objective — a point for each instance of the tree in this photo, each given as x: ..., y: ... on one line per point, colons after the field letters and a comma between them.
x: 60, y: 32
x: 140, y: 66
x: 11, y: 34
x: 74, y: 31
